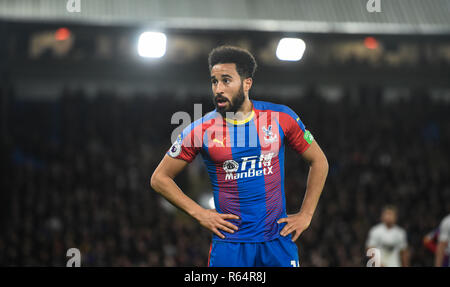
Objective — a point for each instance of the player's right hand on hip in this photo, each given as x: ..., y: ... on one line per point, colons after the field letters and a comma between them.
x: 215, y: 221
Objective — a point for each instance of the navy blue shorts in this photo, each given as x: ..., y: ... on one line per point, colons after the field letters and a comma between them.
x: 280, y: 252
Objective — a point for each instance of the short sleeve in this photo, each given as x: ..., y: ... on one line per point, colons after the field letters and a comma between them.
x: 444, y: 229
x: 188, y: 144
x: 371, y: 240
x: 297, y: 136
x: 403, y: 240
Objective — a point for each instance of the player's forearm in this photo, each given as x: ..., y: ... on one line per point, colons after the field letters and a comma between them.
x: 439, y: 257
x: 405, y: 258
x: 316, y: 180
x: 167, y: 187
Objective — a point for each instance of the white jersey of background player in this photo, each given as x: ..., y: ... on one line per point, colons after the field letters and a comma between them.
x: 443, y: 246
x: 390, y: 239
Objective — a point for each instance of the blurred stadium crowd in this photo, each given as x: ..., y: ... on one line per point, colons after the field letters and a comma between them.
x: 78, y: 175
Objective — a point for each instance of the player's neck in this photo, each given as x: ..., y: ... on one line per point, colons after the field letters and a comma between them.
x: 244, y: 111
x: 389, y: 226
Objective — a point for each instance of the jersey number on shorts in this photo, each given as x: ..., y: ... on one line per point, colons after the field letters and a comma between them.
x: 295, y: 263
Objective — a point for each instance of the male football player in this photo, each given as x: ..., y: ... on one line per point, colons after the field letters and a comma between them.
x: 242, y: 143
x: 390, y: 239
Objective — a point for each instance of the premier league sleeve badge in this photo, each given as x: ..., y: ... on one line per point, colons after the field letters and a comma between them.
x: 175, y: 149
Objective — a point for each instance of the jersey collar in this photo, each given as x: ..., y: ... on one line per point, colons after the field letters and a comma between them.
x: 241, y: 122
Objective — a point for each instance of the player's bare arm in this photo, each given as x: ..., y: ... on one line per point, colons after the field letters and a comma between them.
x: 405, y: 257
x: 297, y: 223
x: 162, y: 181
x: 439, y: 256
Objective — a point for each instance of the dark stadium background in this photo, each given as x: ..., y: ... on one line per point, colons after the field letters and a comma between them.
x: 85, y: 121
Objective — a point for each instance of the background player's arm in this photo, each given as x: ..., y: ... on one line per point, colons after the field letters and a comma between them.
x: 318, y: 171
x: 404, y: 254
x: 404, y: 250
x: 162, y: 181
x: 439, y: 257
x: 443, y: 239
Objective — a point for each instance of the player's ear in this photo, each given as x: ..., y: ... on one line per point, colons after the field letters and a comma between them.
x: 248, y: 84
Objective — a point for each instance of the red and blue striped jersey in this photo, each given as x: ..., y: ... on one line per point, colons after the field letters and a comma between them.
x: 245, y: 163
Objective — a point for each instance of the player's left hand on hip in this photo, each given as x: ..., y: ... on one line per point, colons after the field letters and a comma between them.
x: 296, y: 223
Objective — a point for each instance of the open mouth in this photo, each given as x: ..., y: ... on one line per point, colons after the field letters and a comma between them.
x: 221, y: 102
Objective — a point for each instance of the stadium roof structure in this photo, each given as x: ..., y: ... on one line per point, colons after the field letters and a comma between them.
x: 312, y: 16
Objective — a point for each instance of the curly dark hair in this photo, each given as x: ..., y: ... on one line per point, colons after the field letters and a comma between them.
x: 244, y: 60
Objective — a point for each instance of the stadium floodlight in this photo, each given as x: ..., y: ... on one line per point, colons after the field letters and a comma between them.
x: 290, y: 49
x: 152, y: 45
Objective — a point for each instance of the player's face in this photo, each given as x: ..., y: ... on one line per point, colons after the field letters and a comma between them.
x: 227, y: 88
x: 389, y: 217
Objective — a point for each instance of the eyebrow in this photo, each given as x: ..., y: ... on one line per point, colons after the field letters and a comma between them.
x: 223, y: 76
